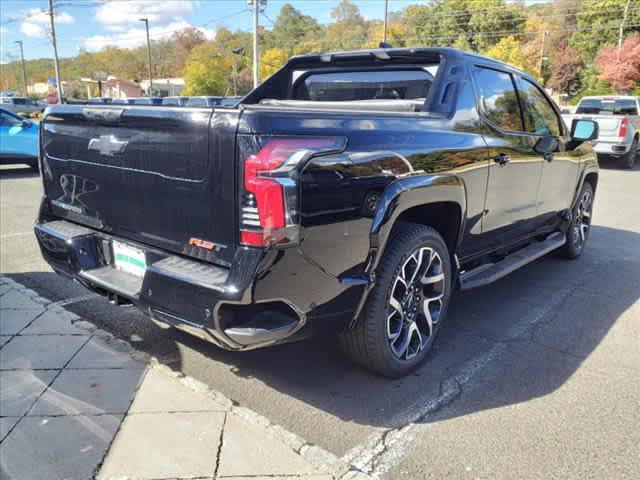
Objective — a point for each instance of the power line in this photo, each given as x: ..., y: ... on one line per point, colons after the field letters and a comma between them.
x: 518, y: 32
x: 604, y: 13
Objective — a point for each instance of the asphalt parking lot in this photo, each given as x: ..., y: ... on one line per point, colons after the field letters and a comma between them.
x: 535, y: 376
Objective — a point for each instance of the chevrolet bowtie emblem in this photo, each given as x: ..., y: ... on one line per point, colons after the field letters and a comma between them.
x: 107, y: 145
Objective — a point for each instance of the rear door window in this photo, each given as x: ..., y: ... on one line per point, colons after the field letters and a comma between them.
x: 539, y: 116
x: 353, y: 86
x: 498, y: 98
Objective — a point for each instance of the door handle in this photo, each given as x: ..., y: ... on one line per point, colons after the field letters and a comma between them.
x: 502, y: 159
x: 548, y: 156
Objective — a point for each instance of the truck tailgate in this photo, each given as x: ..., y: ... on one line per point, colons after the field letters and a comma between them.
x: 153, y: 175
x: 608, y: 125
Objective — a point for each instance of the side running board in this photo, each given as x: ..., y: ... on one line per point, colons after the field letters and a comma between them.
x: 486, y: 274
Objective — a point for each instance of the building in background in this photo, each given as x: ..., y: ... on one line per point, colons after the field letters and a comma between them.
x: 112, y: 87
x: 164, y: 87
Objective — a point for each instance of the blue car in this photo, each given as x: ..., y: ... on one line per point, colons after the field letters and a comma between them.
x: 18, y: 139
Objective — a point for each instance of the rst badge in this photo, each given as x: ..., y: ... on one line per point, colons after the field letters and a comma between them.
x: 206, y: 244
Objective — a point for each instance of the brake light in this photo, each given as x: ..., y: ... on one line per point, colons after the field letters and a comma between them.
x: 269, y: 210
x: 624, y: 124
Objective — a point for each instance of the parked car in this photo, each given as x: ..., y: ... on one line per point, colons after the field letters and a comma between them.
x: 99, y: 101
x: 230, y: 101
x: 175, y: 101
x: 21, y: 105
x: 18, y: 139
x: 122, y: 101
x: 355, y: 189
x: 147, y: 100
x: 618, y: 120
x: 204, y: 101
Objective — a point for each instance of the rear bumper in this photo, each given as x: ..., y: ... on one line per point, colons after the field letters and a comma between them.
x: 612, y: 147
x: 174, y: 290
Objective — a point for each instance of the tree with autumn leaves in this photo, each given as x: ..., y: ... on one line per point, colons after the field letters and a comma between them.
x: 621, y: 66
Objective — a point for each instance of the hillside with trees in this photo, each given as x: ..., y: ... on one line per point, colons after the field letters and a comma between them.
x: 570, y: 45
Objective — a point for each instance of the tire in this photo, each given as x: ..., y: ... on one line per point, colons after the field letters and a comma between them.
x: 384, y: 339
x: 580, y: 227
x: 628, y: 160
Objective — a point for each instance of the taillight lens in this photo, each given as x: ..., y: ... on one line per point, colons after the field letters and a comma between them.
x: 269, y: 204
x: 624, y: 124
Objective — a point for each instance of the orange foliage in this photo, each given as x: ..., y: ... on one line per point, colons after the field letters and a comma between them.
x: 621, y: 68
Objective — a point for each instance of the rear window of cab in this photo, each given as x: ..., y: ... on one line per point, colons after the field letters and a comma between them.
x: 354, y: 86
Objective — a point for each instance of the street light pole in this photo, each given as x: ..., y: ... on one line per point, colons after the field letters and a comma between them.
x: 146, y: 24
x: 386, y: 20
x: 24, y: 69
x: 256, y: 54
x: 55, y: 52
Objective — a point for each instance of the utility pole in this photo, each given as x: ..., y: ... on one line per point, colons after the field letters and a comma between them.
x: 24, y: 70
x: 236, y: 52
x: 146, y: 24
x: 544, y: 37
x: 55, y: 52
x: 256, y: 55
x: 386, y: 20
x: 624, y: 20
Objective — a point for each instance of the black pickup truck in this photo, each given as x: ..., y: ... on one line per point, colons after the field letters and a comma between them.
x: 357, y: 189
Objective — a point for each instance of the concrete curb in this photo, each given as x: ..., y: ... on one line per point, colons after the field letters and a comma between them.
x: 324, y: 461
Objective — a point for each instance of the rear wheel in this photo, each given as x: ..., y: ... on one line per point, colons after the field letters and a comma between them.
x: 578, y: 232
x: 405, y: 309
x: 629, y: 159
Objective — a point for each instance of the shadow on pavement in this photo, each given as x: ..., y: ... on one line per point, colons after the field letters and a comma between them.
x: 540, y: 303
x: 17, y: 172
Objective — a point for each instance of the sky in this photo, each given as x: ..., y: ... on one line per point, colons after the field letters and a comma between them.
x: 93, y: 24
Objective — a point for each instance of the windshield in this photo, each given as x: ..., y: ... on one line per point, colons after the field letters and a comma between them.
x: 597, y: 106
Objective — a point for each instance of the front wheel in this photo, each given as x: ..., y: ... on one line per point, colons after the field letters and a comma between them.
x: 579, y: 229
x: 405, y: 310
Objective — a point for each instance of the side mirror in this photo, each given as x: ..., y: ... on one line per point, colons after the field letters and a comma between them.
x: 25, y: 124
x: 584, y: 130
x: 546, y: 144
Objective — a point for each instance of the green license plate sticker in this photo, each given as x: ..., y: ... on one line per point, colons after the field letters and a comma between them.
x: 129, y: 259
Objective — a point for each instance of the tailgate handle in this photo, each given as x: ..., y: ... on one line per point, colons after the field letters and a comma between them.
x: 108, y: 115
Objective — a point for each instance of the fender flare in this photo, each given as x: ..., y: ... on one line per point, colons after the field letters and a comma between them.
x: 590, y: 167
x: 400, y: 196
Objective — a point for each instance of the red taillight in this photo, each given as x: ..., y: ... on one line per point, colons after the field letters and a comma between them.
x: 624, y: 123
x: 269, y: 204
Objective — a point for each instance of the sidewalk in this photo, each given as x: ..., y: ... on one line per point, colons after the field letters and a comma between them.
x: 75, y: 403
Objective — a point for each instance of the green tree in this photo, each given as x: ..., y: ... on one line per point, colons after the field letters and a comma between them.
x: 349, y: 31
x: 291, y: 28
x: 490, y: 19
x: 205, y: 72
x: 508, y: 50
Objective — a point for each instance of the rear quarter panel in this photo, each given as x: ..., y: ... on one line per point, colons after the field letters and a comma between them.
x: 382, y: 148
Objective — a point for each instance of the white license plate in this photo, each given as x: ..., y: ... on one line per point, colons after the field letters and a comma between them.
x: 129, y: 259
